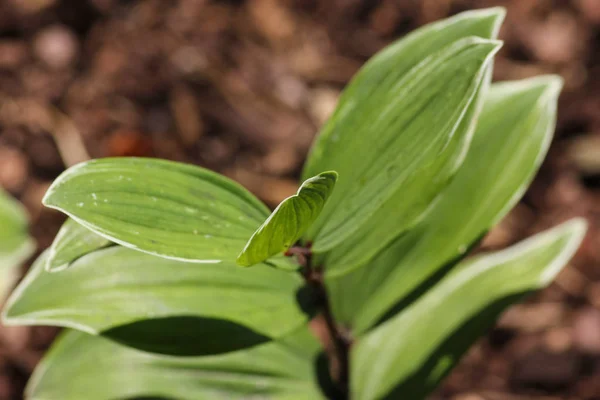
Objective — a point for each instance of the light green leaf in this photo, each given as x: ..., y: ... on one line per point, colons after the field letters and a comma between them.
x: 159, y: 207
x: 401, y: 123
x: 289, y: 220
x: 79, y: 366
x: 385, y: 361
x: 72, y: 242
x: 162, y: 305
x: 15, y: 243
x: 510, y: 141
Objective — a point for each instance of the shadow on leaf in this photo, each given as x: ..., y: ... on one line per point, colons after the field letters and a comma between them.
x: 186, y: 336
x: 449, y: 353
x: 428, y: 283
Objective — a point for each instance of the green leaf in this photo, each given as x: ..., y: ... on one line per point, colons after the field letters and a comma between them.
x: 73, y: 241
x: 511, y: 140
x: 289, y: 220
x: 385, y: 361
x: 162, y: 305
x: 159, y: 207
x: 79, y: 366
x: 15, y: 243
x: 399, y: 130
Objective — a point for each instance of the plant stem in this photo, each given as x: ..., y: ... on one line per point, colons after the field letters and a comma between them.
x: 336, y: 338
x: 340, y: 344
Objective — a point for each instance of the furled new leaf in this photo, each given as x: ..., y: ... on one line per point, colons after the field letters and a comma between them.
x: 162, y: 305
x: 160, y: 207
x: 400, y: 130
x: 407, y: 355
x: 510, y: 141
x: 289, y: 220
x: 80, y: 366
x: 72, y: 242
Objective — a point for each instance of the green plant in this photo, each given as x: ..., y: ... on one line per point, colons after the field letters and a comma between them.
x: 15, y: 244
x: 429, y: 154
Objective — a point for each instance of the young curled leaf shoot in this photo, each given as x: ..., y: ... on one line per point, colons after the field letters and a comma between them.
x: 290, y: 220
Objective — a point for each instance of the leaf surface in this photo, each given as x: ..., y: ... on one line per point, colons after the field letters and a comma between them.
x: 401, y: 123
x: 15, y: 243
x: 162, y: 305
x: 73, y: 241
x: 289, y: 220
x: 80, y: 366
x: 511, y: 140
x: 160, y: 207
x: 407, y: 355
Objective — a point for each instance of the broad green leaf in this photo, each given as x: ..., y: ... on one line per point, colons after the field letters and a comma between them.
x: 162, y: 305
x: 15, y: 243
x: 159, y: 207
x: 383, y: 227
x: 402, y: 122
x: 511, y: 139
x: 72, y: 242
x: 289, y: 220
x: 389, y: 362
x: 79, y: 366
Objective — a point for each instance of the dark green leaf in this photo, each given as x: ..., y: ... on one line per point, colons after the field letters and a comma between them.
x: 384, y: 360
x: 510, y: 141
x: 72, y: 242
x: 162, y: 305
x: 289, y: 220
x: 399, y: 130
x: 79, y: 366
x: 160, y: 207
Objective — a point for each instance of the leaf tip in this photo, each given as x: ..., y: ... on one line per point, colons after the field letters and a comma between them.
x: 242, y: 260
x: 495, y: 15
x: 576, y: 228
x: 553, y: 85
x: 572, y: 232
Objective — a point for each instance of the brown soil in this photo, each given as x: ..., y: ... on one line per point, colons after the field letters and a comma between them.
x: 241, y: 87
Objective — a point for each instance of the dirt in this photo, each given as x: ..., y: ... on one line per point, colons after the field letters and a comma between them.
x: 241, y: 87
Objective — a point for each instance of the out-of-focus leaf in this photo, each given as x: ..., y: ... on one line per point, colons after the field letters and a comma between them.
x: 399, y: 130
x: 162, y: 305
x: 510, y: 141
x: 407, y: 355
x: 72, y: 242
x: 15, y: 243
x: 80, y: 366
x: 160, y: 207
x: 289, y: 220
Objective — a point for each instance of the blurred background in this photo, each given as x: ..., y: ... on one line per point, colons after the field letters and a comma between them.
x: 242, y: 87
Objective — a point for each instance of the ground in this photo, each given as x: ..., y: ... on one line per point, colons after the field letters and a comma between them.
x: 241, y: 87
